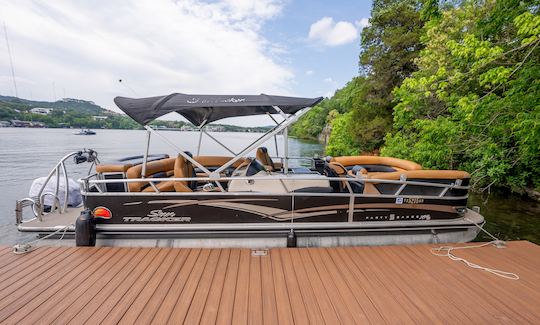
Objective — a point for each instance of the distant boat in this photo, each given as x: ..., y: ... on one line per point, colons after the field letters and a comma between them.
x: 85, y: 132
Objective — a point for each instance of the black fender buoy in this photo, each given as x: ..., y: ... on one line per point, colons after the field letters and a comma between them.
x: 85, y: 230
x: 291, y: 239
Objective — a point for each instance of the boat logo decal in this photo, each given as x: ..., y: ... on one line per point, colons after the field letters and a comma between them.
x: 399, y: 200
x: 158, y: 216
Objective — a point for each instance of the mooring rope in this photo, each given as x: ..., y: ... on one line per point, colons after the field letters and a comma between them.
x: 447, y: 251
x: 29, y: 246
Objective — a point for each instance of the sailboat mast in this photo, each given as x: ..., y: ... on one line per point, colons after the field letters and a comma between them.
x: 11, y: 61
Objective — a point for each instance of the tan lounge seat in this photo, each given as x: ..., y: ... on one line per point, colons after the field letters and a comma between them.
x: 182, y: 169
x: 396, y: 163
x: 152, y: 167
x: 112, y: 168
x: 216, y: 161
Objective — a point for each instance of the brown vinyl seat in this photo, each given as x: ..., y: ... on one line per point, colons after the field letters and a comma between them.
x: 112, y: 168
x: 183, y: 169
x: 396, y: 163
x: 217, y: 161
x: 338, y: 168
x: 165, y: 186
x: 341, y: 171
x: 152, y: 168
x: 213, y: 162
x: 263, y: 156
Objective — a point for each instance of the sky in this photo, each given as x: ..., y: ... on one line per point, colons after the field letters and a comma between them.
x: 82, y: 49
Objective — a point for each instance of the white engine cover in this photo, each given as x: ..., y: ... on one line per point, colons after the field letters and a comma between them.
x: 74, y: 195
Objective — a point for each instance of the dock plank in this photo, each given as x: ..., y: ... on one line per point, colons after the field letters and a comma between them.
x: 283, y: 302
x: 23, y: 290
x: 56, y: 305
x: 226, y: 303
x: 147, y: 303
x: 57, y: 292
x: 392, y: 284
x: 184, y: 301
x: 147, y: 281
x: 309, y: 296
x: 211, y: 306
x: 94, y: 311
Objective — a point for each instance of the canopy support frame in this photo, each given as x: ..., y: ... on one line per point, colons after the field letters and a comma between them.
x: 185, y: 155
x: 288, y: 120
x: 145, y: 159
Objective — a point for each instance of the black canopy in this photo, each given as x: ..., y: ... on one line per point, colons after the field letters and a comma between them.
x: 208, y: 108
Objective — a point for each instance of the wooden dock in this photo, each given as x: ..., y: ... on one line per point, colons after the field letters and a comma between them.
x: 394, y: 284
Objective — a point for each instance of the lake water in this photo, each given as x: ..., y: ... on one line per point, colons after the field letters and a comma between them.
x: 26, y: 154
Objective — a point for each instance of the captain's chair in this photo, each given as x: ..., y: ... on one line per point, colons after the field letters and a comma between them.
x: 263, y: 156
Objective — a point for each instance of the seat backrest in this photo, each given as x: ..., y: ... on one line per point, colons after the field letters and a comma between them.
x: 116, y: 167
x: 338, y: 168
x: 377, y: 160
x: 152, y: 167
x: 216, y: 161
x: 182, y: 169
x: 263, y: 156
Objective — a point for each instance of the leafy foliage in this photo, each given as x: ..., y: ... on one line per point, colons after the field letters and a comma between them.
x: 449, y: 84
x: 312, y: 124
x: 474, y: 103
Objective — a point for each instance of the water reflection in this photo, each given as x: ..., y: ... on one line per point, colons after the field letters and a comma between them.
x: 509, y: 217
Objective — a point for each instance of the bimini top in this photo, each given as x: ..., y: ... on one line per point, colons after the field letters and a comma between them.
x: 203, y: 109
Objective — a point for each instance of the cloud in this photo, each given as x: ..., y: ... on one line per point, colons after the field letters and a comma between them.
x: 155, y: 47
x: 364, y: 22
x: 330, y: 33
x: 309, y: 72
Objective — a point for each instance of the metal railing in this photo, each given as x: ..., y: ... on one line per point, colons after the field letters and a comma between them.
x: 87, y: 181
x: 59, y: 171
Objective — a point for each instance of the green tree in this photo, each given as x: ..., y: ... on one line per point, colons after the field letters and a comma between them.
x: 474, y: 103
x: 389, y: 45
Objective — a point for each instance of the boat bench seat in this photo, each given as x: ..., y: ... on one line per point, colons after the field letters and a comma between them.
x: 216, y: 161
x: 165, y: 186
x: 376, y: 163
x: 112, y: 168
x: 152, y: 168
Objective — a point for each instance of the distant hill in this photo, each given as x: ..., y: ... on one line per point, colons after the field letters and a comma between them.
x: 77, y: 113
x: 81, y: 106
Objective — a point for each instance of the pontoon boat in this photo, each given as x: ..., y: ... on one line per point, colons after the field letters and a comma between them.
x: 249, y: 200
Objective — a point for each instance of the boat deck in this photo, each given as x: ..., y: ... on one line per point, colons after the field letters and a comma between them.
x: 392, y: 284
